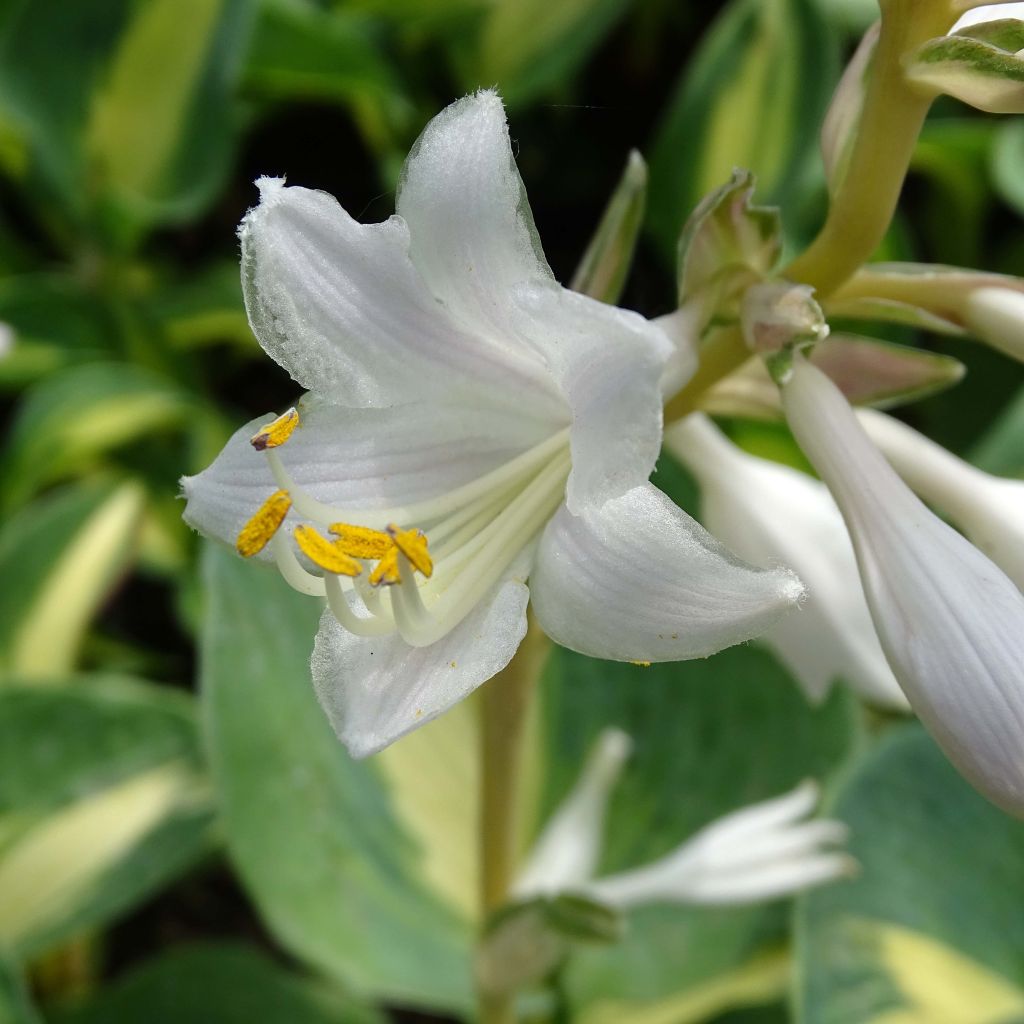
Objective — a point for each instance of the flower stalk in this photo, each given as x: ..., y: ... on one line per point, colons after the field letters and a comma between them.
x: 505, y: 703
x: 892, y: 117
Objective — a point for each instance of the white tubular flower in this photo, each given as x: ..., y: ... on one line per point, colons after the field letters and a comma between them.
x: 997, y: 316
x: 568, y: 849
x: 989, y: 509
x: 950, y: 300
x: 951, y: 623
x: 761, y: 852
x: 461, y: 399
x: 771, y: 514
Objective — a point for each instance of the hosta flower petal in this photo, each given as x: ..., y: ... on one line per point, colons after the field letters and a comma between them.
x: 608, y: 363
x: 770, y: 514
x: 951, y: 623
x: 638, y: 580
x: 376, y: 689
x: 567, y: 851
x: 341, y: 307
x: 989, y: 509
x: 759, y: 852
x: 364, y: 458
x: 473, y: 236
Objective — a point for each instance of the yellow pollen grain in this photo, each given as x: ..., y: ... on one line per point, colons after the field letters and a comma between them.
x: 257, y: 532
x: 274, y: 434
x: 413, y: 544
x: 361, y: 541
x: 386, y: 572
x: 325, y: 553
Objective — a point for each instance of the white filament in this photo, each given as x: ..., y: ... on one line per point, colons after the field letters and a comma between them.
x: 476, y: 532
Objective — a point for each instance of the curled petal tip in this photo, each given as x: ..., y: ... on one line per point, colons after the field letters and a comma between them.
x: 270, y: 188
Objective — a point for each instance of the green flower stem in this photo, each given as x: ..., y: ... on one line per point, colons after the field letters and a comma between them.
x: 505, y: 708
x: 723, y: 352
x: 890, y: 123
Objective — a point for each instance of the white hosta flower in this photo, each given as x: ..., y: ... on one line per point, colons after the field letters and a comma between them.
x: 470, y: 423
x: 760, y: 852
x: 989, y: 509
x: 771, y: 514
x: 951, y: 623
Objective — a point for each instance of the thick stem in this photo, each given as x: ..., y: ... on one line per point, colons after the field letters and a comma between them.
x: 723, y: 352
x: 505, y: 708
x: 890, y: 123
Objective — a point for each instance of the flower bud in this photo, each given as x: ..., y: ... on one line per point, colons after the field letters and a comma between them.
x: 950, y: 622
x: 989, y: 509
x: 997, y: 316
x: 768, y: 514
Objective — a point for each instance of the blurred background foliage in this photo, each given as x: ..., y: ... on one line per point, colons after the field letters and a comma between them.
x: 181, y: 837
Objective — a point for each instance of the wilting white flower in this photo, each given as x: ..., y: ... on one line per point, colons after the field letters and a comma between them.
x: 989, y: 509
x: 760, y: 852
x: 568, y: 849
x: 770, y: 514
x: 997, y: 316
x: 459, y: 397
x: 951, y: 623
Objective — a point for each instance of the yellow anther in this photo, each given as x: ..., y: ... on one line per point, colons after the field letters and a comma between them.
x: 325, y: 553
x: 361, y: 541
x: 257, y: 532
x: 273, y: 435
x: 641, y: 664
x: 413, y: 544
x: 385, y: 572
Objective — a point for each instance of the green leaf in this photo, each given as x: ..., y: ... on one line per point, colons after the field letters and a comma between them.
x: 978, y: 73
x: 55, y: 322
x: 216, y: 984
x: 1006, y: 162
x: 752, y: 97
x: 1001, y: 449
x: 125, y: 106
x: 161, y: 130
x: 51, y: 56
x: 604, y: 268
x: 61, y: 555
x: 931, y: 930
x: 711, y: 736
x: 316, y: 838
x: 529, y: 46
x: 302, y: 51
x: 102, y: 800
x: 70, y: 419
x: 15, y: 1007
